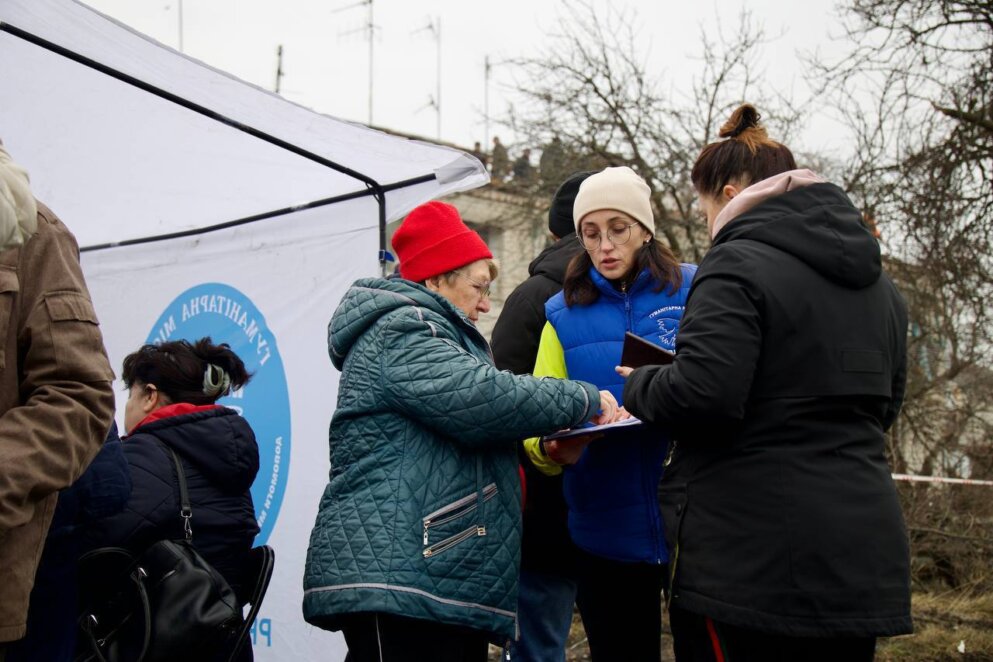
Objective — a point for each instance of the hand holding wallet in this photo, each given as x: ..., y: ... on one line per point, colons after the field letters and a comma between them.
x: 638, y: 352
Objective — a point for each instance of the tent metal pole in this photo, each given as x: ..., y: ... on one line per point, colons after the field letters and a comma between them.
x: 381, y: 200
x: 273, y: 214
x: 185, y: 103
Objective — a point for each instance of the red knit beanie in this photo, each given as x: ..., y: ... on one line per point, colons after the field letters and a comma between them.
x: 433, y: 240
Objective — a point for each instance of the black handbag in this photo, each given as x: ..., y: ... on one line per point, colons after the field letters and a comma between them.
x: 167, y: 603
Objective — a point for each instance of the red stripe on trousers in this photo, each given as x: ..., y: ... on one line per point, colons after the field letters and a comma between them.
x: 715, y: 642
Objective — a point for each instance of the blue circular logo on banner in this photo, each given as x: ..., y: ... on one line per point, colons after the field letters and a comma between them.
x: 226, y: 315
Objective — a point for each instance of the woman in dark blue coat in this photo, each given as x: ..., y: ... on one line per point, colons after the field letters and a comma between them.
x: 174, y: 387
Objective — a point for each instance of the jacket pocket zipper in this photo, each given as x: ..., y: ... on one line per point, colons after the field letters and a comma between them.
x: 448, y: 543
x: 455, y: 510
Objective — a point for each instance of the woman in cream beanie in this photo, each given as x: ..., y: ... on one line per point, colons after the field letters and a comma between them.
x: 625, y: 280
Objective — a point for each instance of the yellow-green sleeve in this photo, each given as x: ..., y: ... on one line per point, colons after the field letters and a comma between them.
x: 550, y: 362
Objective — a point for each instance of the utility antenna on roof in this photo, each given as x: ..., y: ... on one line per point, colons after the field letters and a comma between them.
x: 370, y: 29
x: 486, y: 103
x: 179, y: 23
x: 279, y: 67
x: 434, y: 27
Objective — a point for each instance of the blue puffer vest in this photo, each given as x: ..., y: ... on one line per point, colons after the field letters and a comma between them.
x: 612, y: 491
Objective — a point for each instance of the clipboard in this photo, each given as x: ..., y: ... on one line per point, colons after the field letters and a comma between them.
x: 638, y: 352
x: 606, y: 429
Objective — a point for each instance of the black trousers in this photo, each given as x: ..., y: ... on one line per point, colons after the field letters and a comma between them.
x: 621, y: 607
x: 700, y: 639
x: 380, y: 637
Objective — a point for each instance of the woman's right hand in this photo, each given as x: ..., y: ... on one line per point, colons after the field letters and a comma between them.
x: 608, y: 409
x: 568, y: 451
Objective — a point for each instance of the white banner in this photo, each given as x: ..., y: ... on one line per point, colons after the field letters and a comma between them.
x: 268, y: 290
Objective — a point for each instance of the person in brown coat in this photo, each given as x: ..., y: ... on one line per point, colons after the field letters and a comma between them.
x: 56, y: 400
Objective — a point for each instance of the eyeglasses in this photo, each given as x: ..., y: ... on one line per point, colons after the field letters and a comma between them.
x: 617, y: 235
x: 482, y: 289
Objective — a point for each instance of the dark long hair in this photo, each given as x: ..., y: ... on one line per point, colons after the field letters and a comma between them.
x: 661, y: 263
x: 746, y: 155
x: 178, y: 369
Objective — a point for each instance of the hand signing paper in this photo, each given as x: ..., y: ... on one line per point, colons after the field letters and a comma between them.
x: 608, y: 409
x: 568, y: 451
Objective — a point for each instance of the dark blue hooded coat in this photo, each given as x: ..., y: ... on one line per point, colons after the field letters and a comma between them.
x: 220, y: 459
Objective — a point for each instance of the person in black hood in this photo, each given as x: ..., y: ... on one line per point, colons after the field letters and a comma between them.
x: 787, y: 534
x: 173, y: 390
x: 517, y: 332
x: 548, y: 582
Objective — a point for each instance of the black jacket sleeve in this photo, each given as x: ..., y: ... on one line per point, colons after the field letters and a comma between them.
x: 105, y: 486
x: 899, y: 383
x: 518, y: 330
x: 150, y: 513
x: 717, y: 350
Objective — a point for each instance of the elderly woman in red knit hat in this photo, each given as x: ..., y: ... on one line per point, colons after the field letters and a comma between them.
x: 414, y: 555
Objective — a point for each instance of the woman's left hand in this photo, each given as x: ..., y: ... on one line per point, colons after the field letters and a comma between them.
x: 568, y: 451
x: 623, y: 371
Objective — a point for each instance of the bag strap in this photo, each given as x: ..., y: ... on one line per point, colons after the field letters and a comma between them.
x: 185, y: 510
x: 96, y: 645
x: 267, y: 559
x: 146, y: 607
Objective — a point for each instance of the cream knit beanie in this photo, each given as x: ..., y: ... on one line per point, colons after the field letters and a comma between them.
x: 615, y: 188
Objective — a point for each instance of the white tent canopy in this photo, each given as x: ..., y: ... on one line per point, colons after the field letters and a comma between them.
x: 130, y: 139
x: 207, y: 206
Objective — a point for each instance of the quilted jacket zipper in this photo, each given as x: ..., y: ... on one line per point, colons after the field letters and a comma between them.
x: 447, y: 543
x: 455, y: 510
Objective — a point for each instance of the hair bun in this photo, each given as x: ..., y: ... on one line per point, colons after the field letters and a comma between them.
x: 743, y: 118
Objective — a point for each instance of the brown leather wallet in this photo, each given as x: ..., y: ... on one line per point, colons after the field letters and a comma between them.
x: 638, y: 352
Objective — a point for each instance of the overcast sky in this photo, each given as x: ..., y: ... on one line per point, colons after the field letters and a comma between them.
x: 326, y: 50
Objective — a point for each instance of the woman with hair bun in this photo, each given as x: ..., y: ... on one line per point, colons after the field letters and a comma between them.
x: 173, y: 390
x: 785, y: 529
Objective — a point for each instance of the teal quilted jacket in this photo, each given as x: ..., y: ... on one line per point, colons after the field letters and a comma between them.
x: 421, y: 515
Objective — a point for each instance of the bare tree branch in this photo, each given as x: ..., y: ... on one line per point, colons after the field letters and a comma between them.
x: 590, y: 88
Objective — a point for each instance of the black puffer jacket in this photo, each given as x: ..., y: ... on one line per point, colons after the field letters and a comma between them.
x: 517, y: 332
x: 790, y: 364
x: 220, y: 458
x: 545, y: 542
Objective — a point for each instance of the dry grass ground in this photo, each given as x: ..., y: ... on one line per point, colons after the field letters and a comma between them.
x: 950, y: 627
